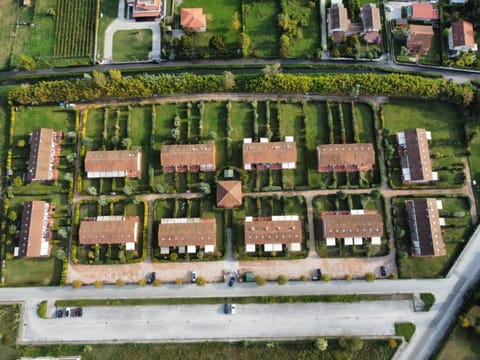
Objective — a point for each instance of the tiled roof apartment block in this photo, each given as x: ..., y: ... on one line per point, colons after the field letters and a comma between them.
x: 192, y: 157
x: 345, y: 157
x: 35, y: 234
x: 44, y: 155
x: 187, y: 234
x: 114, y: 163
x: 273, y: 233
x: 269, y: 155
x: 110, y: 230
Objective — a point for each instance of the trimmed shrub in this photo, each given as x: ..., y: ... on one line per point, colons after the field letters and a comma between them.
x: 42, y: 309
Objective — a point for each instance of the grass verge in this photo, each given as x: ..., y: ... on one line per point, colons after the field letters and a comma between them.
x: 428, y: 300
x: 406, y: 330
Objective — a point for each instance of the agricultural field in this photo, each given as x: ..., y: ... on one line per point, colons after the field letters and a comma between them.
x: 267, y: 206
x: 132, y: 45
x: 110, y: 254
x: 75, y: 25
x: 8, y: 14
x: 447, y: 148
x: 456, y: 211
x: 346, y: 202
x: 192, y: 208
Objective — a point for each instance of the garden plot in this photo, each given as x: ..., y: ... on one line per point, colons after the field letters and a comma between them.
x: 447, y: 147
x: 346, y: 202
x: 456, y: 232
x: 189, y: 208
x: 110, y: 253
x: 267, y: 206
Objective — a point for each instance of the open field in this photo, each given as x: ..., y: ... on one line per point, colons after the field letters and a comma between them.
x: 109, y: 10
x: 260, y: 24
x: 455, y: 234
x: 8, y: 14
x: 448, y: 137
x: 132, y: 45
x: 33, y: 272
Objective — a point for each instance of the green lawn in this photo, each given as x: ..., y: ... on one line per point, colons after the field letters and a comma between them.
x: 54, y: 117
x: 7, y: 29
x: 243, y: 115
x: 33, y: 272
x: 445, y: 123
x: 260, y: 24
x: 109, y: 10
x: 455, y: 235
x: 131, y: 45
x: 214, y: 121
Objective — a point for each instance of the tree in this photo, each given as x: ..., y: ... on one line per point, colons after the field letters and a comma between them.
x: 259, y: 280
x: 228, y: 80
x: 92, y: 190
x: 399, y: 233
x: 282, y: 279
x: 76, y: 284
x: 341, y: 195
x: 370, y: 277
x: 98, y: 284
x: 21, y: 143
x: 219, y: 44
x: 87, y: 142
x: 12, y: 229
x: 159, y: 188
x: 173, y: 257
x: 12, y: 215
x: 352, y: 345
x: 321, y: 344
x: 175, y: 134
x: 61, y: 254
x: 184, y: 46
x: 26, y: 62
x: 51, y: 12
x: 204, y: 188
x: 348, y: 277
x: 68, y: 176
x: 102, y: 200
x: 375, y: 194
x: 115, y: 75
x: 325, y: 277
x: 17, y: 181
x: 137, y: 200
x: 236, y: 24
x: 99, y: 78
x: 126, y: 143
x: 463, y: 321
x: 157, y: 282
x: 393, y: 343
x: 127, y: 189
x: 120, y: 283
x: 272, y: 69
x: 245, y: 43
x: 71, y: 157
x: 201, y: 281
x: 142, y: 282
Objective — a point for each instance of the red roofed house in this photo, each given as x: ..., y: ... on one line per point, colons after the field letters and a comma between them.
x: 338, y: 22
x: 273, y: 233
x: 192, y: 157
x: 35, y: 231
x: 352, y: 226
x: 142, y: 9
x: 415, y: 156
x: 111, y: 164
x: 229, y: 193
x: 193, y: 19
x: 345, y: 157
x: 419, y: 39
x: 424, y: 223
x: 461, y: 37
x: 44, y: 155
x: 104, y: 230
x: 187, y: 234
x: 422, y: 12
x: 371, y: 23
x: 269, y: 155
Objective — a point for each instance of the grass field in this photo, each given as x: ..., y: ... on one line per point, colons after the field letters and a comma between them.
x: 109, y: 10
x: 8, y: 14
x: 219, y: 22
x: 455, y: 235
x: 33, y: 272
x: 448, y: 136
x: 132, y: 45
x: 260, y: 24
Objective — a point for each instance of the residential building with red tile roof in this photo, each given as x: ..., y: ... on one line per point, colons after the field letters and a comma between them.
x: 103, y: 230
x: 269, y: 155
x: 461, y: 37
x: 352, y: 226
x: 415, y: 156
x: 422, y: 12
x: 186, y: 235
x: 273, y: 233
x: 338, y: 22
x: 193, y: 19
x: 44, y: 155
x: 345, y: 157
x: 425, y: 223
x: 113, y: 163
x: 229, y: 193
x: 191, y: 157
x: 371, y: 24
x: 35, y: 233
x: 141, y: 9
x: 419, y: 39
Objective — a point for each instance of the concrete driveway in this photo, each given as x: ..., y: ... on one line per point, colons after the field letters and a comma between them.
x: 122, y: 24
x: 200, y: 322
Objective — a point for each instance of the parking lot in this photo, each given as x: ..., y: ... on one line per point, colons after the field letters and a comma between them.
x: 396, y: 12
x: 199, y: 322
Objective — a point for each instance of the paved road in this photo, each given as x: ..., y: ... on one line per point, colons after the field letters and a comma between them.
x: 197, y: 322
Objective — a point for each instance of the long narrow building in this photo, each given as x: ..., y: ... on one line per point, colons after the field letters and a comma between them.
x: 44, y: 151
x: 35, y: 234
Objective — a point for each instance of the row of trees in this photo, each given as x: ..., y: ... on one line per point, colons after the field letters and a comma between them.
x: 114, y: 85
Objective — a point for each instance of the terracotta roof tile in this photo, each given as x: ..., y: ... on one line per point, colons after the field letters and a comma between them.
x: 345, y: 156
x: 34, y: 232
x: 117, y: 163
x: 261, y: 231
x: 424, y: 11
x: 420, y: 39
x: 229, y: 193
x: 187, y: 231
x: 44, y: 146
x: 463, y: 34
x: 342, y: 224
x: 416, y: 155
x: 193, y: 18
x: 269, y: 153
x: 192, y: 155
x: 109, y: 230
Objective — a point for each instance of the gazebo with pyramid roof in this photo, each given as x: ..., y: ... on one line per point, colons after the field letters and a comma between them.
x: 229, y: 193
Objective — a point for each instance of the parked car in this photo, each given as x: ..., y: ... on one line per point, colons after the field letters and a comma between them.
x: 233, y: 308
x: 231, y: 281
x: 67, y: 312
x: 383, y: 271
x: 226, y: 308
x: 319, y: 273
x: 79, y: 312
x: 315, y: 278
x: 59, y: 313
x: 152, y: 277
x: 194, y: 276
x: 388, y: 7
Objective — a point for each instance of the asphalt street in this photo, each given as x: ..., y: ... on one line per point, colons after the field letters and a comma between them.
x: 198, y: 322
